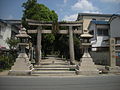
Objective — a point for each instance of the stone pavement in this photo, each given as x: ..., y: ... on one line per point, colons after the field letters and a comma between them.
x: 4, y: 73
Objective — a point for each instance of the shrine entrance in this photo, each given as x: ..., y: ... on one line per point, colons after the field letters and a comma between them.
x: 54, y: 65
x: 73, y: 27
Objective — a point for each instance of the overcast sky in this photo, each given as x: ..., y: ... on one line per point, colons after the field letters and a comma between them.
x: 66, y: 9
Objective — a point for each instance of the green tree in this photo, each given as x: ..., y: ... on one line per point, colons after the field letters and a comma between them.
x: 12, y: 43
x: 7, y: 59
x: 36, y: 11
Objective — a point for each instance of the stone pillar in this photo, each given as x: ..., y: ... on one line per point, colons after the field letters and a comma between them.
x: 71, y: 45
x: 39, y: 36
x: 32, y: 55
x: 113, y: 68
x: 112, y: 53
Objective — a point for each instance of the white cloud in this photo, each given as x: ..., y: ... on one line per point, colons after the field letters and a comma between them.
x: 65, y: 1
x: 70, y: 17
x: 97, y: 12
x: 115, y: 1
x: 84, y: 5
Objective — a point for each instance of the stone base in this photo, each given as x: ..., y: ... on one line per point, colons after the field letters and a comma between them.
x: 22, y: 66
x: 87, y: 72
x: 113, y: 70
x: 87, y: 66
x: 19, y: 73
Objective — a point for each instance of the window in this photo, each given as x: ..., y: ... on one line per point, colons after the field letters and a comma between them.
x: 99, y: 32
x: 105, y: 32
x: 102, y: 32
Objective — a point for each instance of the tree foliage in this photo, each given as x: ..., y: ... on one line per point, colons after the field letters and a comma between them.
x: 36, y: 11
x: 12, y: 42
x: 7, y: 58
x: 60, y: 43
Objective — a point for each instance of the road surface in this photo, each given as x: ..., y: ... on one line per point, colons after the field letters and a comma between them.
x: 111, y: 82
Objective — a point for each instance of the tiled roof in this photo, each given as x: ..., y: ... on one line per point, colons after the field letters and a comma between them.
x: 99, y: 22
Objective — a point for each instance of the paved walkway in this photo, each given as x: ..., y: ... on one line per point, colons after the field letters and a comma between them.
x: 4, y: 73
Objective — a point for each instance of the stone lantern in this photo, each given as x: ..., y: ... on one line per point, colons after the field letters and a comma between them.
x: 22, y: 66
x: 24, y: 40
x: 86, y: 65
x: 85, y: 40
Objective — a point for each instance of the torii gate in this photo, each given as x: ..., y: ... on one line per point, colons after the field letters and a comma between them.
x: 39, y: 32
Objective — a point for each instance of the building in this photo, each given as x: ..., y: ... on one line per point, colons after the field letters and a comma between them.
x: 100, y: 32
x: 96, y: 20
x: 114, y: 40
x: 106, y: 40
x: 86, y: 18
x: 99, y: 42
x: 7, y: 30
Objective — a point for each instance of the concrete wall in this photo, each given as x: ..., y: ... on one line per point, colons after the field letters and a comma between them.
x: 100, y: 58
x: 115, y: 27
x: 86, y: 23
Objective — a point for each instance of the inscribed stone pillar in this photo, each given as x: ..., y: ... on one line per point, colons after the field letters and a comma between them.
x: 71, y: 45
x: 112, y: 52
x: 113, y: 68
x: 39, y: 36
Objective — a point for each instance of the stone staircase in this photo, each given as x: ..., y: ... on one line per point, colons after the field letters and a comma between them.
x: 53, y: 66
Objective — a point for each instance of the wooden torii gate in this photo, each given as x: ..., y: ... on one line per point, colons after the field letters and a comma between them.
x: 39, y: 32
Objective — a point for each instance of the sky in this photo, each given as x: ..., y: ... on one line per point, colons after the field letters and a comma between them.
x: 66, y: 9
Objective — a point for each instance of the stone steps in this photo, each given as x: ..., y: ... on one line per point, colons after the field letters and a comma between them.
x: 53, y: 60
x: 53, y: 72
x: 47, y: 63
x: 53, y: 67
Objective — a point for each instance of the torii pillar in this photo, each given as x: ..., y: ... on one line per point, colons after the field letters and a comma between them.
x: 71, y: 45
x: 39, y: 38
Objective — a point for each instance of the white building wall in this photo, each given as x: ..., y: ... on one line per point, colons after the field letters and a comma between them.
x: 98, y: 41
x: 5, y: 33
